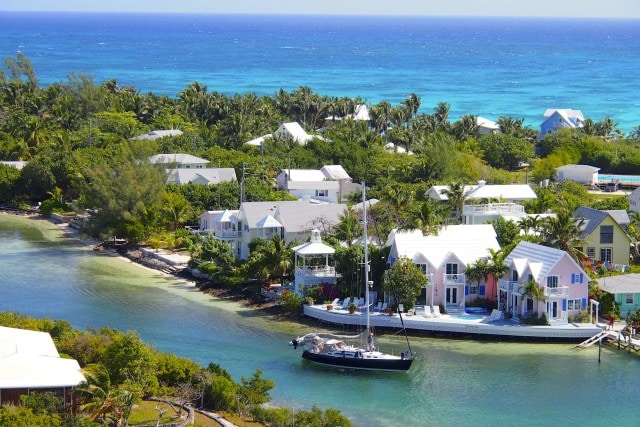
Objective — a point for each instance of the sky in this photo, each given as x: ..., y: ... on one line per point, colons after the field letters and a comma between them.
x: 524, y: 8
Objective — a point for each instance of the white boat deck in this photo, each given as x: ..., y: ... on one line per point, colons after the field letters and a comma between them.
x: 472, y: 324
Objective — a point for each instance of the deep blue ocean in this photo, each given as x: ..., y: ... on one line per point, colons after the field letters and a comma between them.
x: 489, y: 67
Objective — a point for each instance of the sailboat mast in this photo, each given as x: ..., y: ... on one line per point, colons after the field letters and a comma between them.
x: 366, y: 252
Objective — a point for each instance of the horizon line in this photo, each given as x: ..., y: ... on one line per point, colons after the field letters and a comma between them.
x: 321, y: 14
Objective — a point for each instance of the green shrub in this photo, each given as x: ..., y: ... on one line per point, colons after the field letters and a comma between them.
x: 291, y: 303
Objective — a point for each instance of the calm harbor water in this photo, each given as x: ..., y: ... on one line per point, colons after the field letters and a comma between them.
x: 453, y: 382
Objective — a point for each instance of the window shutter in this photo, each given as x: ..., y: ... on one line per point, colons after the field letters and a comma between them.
x: 584, y: 303
x: 481, y: 290
x: 581, y: 278
x: 466, y: 290
x: 564, y: 305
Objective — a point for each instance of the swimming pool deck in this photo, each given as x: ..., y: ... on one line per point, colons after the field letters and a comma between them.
x: 472, y: 326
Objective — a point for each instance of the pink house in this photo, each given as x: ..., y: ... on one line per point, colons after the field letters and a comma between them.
x: 564, y: 283
x: 443, y: 259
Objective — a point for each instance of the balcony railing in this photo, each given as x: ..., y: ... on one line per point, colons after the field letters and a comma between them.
x: 509, y: 285
x: 454, y: 278
x: 226, y: 233
x: 560, y: 291
x: 493, y: 209
x: 316, y: 271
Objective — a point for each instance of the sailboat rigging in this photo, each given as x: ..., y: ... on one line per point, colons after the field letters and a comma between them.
x: 333, y: 350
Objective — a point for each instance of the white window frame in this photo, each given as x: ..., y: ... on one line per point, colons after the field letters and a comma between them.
x: 552, y: 282
x: 629, y: 298
x: 574, y: 304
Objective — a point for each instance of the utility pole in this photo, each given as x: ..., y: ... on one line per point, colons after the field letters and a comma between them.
x: 242, y: 182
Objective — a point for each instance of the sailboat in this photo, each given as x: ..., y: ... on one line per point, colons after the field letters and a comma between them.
x: 334, y: 350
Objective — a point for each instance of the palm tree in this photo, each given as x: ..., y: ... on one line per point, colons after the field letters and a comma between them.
x: 412, y: 104
x: 563, y: 232
x: 97, y: 394
x: 532, y: 290
x: 457, y: 196
x: 349, y: 227
x: 441, y: 114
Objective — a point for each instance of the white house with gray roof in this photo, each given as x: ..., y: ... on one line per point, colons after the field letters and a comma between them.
x: 290, y: 220
x: 292, y: 130
x: 179, y: 160
x: 328, y: 184
x: 499, y: 201
x: 157, y: 134
x: 203, y: 176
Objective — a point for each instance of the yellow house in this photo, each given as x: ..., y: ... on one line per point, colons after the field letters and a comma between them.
x: 605, y: 236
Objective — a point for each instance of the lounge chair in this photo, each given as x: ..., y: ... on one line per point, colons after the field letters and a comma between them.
x: 436, y: 311
x: 345, y: 303
x: 427, y: 311
x: 378, y: 307
x: 496, y: 315
x: 335, y: 302
x: 400, y: 308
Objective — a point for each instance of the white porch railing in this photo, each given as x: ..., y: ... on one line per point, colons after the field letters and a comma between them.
x: 226, y: 233
x: 493, y: 209
x: 509, y: 285
x: 317, y: 271
x: 560, y: 291
x: 458, y: 279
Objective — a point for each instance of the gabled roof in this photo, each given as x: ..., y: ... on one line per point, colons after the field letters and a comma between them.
x: 30, y: 359
x: 538, y: 259
x: 467, y: 243
x: 155, y: 134
x: 334, y: 172
x: 268, y: 222
x: 179, y: 158
x: 227, y: 216
x: 594, y: 217
x: 259, y: 140
x: 201, y: 176
x: 486, y: 123
x: 295, y: 131
x: 572, y: 118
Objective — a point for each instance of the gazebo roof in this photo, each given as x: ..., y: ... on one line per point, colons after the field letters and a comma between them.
x: 314, y: 248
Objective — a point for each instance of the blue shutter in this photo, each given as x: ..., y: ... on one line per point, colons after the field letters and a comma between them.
x: 564, y: 305
x: 481, y: 290
x: 466, y: 290
x: 581, y: 278
x: 584, y: 303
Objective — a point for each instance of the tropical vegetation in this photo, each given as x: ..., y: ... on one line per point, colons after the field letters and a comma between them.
x: 121, y: 370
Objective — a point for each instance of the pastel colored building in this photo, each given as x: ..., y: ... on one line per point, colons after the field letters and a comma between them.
x: 625, y: 289
x: 443, y: 259
x: 564, y: 283
x: 605, y: 237
x: 555, y: 119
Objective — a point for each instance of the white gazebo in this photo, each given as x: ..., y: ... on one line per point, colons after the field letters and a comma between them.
x: 313, y: 263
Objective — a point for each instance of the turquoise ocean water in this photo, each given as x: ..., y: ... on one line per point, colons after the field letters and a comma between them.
x: 487, y: 67
x: 452, y: 382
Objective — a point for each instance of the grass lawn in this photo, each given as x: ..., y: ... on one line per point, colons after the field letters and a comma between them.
x: 145, y: 413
